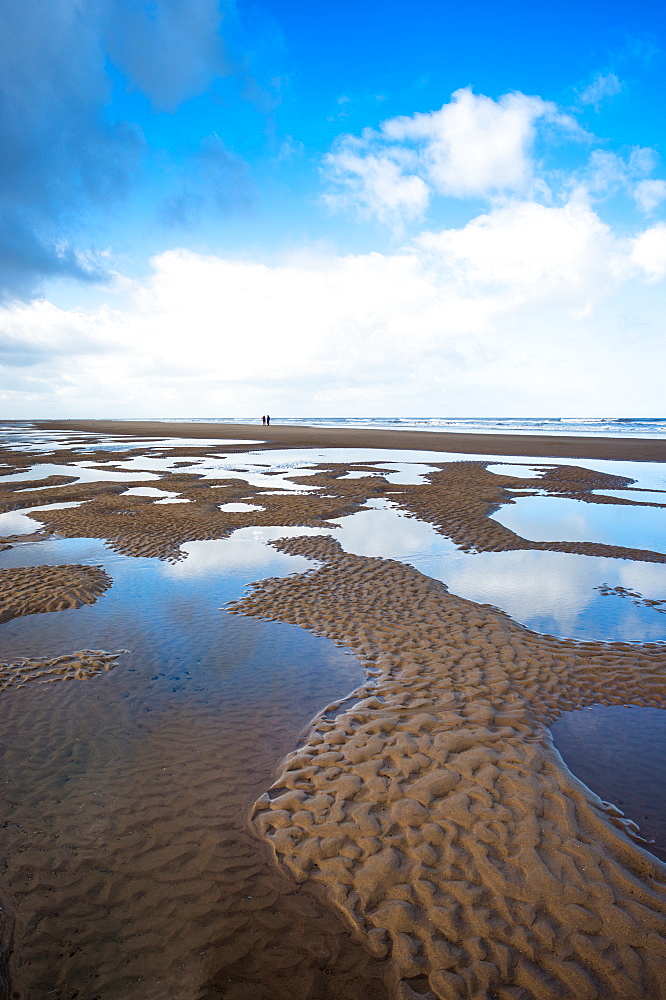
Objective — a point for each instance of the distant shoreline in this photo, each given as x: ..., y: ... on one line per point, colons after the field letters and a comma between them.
x: 458, y: 442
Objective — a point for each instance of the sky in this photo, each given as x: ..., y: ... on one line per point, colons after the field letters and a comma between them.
x: 221, y: 208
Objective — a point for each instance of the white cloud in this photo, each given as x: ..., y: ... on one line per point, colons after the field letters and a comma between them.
x: 604, y: 86
x: 649, y: 251
x: 649, y: 194
x: 534, y: 252
x: 376, y: 185
x: 527, y: 308
x: 473, y: 146
x: 33, y: 332
x: 608, y: 173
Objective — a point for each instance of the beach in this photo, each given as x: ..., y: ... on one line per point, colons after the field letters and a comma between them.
x: 219, y: 804
x: 537, y: 446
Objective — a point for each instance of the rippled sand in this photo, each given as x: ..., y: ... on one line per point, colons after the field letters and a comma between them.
x: 436, y: 810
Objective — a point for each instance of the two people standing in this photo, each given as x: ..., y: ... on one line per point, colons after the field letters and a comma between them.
x: 266, y: 420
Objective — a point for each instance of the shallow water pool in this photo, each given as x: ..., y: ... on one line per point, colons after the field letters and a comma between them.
x: 555, y: 519
x: 620, y: 753
x: 125, y: 795
x: 550, y: 592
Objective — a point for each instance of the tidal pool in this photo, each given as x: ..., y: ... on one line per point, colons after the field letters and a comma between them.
x: 81, y: 474
x: 555, y: 519
x: 551, y: 592
x: 620, y: 753
x: 125, y: 795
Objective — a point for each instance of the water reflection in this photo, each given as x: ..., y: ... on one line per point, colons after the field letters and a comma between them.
x: 516, y: 471
x: 620, y: 753
x: 148, y: 491
x: 26, y: 438
x: 136, y: 784
x: 206, y: 702
x: 14, y: 523
x: 236, y: 560
x: 17, y: 522
x: 239, y: 507
x: 79, y: 473
x: 636, y: 495
x: 551, y: 592
x: 556, y: 519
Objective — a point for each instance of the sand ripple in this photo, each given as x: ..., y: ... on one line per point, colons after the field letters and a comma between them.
x: 36, y: 589
x: 457, y: 500
x: 84, y: 664
x: 436, y: 811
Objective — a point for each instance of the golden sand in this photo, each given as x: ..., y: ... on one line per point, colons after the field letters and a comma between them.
x: 436, y: 810
x: 457, y: 500
x: 81, y: 665
x: 35, y: 589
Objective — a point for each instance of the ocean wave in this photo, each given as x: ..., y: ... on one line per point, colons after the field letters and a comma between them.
x: 649, y: 427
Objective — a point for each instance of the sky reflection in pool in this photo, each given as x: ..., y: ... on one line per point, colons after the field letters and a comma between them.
x: 558, y: 519
x: 517, y: 471
x: 148, y: 491
x: 171, y: 618
x: 15, y: 523
x: 636, y: 495
x: 239, y: 507
x: 399, y: 473
x: 551, y: 592
x: 548, y: 591
x: 81, y: 473
x: 26, y: 438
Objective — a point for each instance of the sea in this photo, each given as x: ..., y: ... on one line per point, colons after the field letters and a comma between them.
x: 621, y: 427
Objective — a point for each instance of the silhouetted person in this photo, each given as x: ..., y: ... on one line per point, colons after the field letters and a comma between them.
x: 268, y: 419
x: 263, y: 420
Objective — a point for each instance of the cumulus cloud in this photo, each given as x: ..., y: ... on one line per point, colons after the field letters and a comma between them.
x: 607, y: 173
x: 35, y: 333
x: 376, y: 185
x: 528, y: 251
x: 522, y: 309
x: 649, y: 251
x: 473, y: 146
x: 649, y: 194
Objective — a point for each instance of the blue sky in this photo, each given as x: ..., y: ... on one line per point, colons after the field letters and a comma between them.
x: 212, y: 208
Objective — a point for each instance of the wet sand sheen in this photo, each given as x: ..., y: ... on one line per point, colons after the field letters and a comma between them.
x: 131, y: 866
x: 431, y: 843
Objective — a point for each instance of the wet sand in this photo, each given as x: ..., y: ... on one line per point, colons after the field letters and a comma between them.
x: 542, y: 446
x: 436, y: 810
x: 425, y: 840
